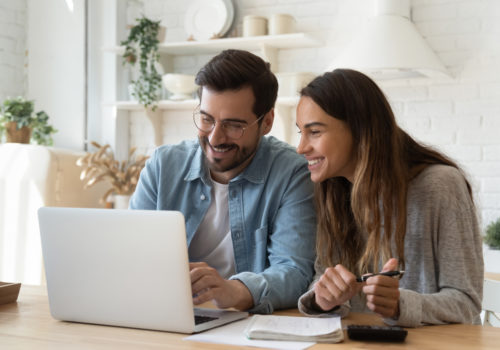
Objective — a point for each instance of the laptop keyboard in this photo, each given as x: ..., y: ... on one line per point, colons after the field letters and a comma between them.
x: 198, y: 319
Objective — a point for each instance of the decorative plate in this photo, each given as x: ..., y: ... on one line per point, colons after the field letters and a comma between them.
x: 207, y: 19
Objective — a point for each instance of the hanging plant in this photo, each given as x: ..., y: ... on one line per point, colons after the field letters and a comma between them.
x: 141, y: 47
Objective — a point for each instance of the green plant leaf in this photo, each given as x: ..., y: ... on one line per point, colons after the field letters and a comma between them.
x: 492, y: 236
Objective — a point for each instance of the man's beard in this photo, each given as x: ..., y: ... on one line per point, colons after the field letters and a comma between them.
x: 241, y: 155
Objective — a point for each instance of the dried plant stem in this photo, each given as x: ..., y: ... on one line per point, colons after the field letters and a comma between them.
x: 102, y: 166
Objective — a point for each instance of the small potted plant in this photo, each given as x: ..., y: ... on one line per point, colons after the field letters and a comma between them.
x: 102, y: 166
x: 492, y: 240
x: 21, y: 124
x: 141, y: 47
x: 492, y: 236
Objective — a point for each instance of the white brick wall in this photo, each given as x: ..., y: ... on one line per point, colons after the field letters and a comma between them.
x: 12, y: 48
x: 460, y: 116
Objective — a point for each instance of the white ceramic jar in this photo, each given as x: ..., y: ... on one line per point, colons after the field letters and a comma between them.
x: 281, y: 24
x: 254, y: 25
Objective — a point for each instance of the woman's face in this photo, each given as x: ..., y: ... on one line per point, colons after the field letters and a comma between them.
x: 325, y: 141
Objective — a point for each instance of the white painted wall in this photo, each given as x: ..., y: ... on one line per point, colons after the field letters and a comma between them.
x: 12, y: 48
x: 56, y: 66
x: 460, y: 116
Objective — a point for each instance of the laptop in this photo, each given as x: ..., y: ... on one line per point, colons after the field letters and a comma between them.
x: 126, y: 268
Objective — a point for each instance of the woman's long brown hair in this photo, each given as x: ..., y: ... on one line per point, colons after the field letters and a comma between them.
x: 363, y: 224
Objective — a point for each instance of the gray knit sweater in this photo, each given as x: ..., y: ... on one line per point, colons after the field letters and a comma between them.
x: 443, y: 280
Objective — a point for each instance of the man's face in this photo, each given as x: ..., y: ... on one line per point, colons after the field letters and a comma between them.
x: 227, y: 157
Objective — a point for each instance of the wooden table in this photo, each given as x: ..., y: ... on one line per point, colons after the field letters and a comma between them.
x: 27, y: 324
x: 492, y: 276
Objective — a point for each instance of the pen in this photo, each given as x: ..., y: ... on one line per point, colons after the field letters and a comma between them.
x: 386, y: 273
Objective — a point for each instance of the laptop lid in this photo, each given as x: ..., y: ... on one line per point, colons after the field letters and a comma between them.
x: 119, y: 267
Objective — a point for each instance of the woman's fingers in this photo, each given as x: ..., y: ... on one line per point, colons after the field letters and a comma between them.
x: 382, y: 295
x: 335, y: 286
x: 390, y: 265
x: 382, y: 310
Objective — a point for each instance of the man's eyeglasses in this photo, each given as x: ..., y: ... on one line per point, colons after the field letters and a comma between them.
x: 232, y: 129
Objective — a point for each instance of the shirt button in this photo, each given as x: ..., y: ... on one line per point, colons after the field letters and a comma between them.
x: 202, y: 197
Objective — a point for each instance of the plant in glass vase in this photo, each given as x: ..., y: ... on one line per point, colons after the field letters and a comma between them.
x: 102, y: 166
x: 141, y: 47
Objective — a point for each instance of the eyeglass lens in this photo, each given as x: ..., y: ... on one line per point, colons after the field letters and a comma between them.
x: 231, y: 129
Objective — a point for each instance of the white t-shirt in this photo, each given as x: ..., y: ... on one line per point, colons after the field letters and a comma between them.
x: 212, y: 243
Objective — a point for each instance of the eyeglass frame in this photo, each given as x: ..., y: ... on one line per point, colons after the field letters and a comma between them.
x: 243, y: 129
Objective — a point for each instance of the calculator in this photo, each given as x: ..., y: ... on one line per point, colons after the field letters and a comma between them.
x: 376, y: 333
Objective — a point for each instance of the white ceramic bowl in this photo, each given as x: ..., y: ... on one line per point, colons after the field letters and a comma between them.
x: 181, y: 86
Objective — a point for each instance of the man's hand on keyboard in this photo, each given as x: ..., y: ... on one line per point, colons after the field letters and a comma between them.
x: 207, y: 285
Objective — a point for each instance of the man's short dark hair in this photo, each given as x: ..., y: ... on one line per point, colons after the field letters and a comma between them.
x: 236, y: 69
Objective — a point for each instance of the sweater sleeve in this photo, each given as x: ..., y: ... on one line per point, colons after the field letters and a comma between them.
x: 451, y: 261
x: 308, y: 307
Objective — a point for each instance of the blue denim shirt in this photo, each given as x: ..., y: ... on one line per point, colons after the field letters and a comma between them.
x: 271, y: 214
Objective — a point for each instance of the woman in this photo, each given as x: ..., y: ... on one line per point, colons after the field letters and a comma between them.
x: 385, y: 203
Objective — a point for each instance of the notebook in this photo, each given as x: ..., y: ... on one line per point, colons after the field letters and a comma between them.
x: 293, y: 328
x: 122, y: 268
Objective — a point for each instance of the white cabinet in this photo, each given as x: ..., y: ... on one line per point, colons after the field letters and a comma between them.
x: 267, y: 46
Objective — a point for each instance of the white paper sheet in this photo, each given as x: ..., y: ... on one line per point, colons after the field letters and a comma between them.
x: 232, y: 333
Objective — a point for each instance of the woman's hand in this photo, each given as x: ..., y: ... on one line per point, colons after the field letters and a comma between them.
x: 335, y: 286
x: 382, y: 292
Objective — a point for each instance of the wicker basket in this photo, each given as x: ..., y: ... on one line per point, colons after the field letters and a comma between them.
x: 16, y: 135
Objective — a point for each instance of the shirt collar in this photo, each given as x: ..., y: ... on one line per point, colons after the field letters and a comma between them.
x: 198, y: 169
x: 258, y: 168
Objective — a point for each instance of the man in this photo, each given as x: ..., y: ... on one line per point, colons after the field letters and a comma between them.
x: 247, y: 199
